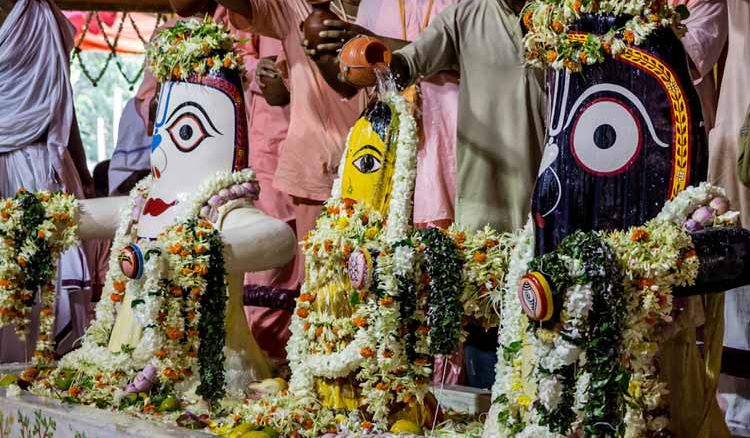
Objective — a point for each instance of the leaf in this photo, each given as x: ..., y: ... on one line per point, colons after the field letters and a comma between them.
x: 682, y: 11
x: 137, y: 302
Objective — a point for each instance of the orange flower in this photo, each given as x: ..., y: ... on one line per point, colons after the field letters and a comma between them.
x: 176, y: 72
x: 327, y: 245
x: 160, y: 354
x: 117, y: 298
x: 319, y: 331
x: 606, y: 46
x: 174, y: 333
x: 184, y: 253
x: 557, y: 26
x: 22, y: 262
x: 307, y: 326
x: 175, y: 291
x: 423, y: 330
x: 307, y: 298
x: 527, y: 19
x: 382, y: 386
x: 4, y: 282
x: 41, y: 234
x: 333, y: 210
x: 366, y: 352
x: 74, y: 391
x: 577, y: 5
x: 367, y: 425
x: 347, y: 250
x: 227, y: 62
x: 551, y: 56
x: 210, y: 62
x: 387, y: 353
x: 175, y: 248
x: 200, y: 249
x: 480, y: 257
x: 629, y: 36
x: 653, y: 18
x: 170, y: 373
x: 645, y: 282
x: 349, y: 203
x: 360, y: 322
x: 365, y: 218
x: 386, y: 301
x: 582, y: 57
x: 186, y: 271
x: 490, y: 243
x: 302, y: 312
x: 119, y: 286
x: 639, y: 235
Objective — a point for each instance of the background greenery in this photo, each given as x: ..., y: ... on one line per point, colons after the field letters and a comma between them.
x: 94, y: 101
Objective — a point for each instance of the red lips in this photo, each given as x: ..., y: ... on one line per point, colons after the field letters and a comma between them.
x: 157, y: 206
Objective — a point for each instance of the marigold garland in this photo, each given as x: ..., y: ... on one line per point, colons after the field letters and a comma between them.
x: 35, y: 228
x: 192, y: 47
x: 548, y: 25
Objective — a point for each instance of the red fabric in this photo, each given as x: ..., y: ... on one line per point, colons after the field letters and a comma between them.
x: 127, y: 43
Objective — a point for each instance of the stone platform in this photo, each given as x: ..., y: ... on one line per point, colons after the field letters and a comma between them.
x: 27, y: 416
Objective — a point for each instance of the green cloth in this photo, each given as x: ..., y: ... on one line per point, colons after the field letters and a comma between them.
x: 501, y: 109
x: 693, y: 378
x: 743, y: 163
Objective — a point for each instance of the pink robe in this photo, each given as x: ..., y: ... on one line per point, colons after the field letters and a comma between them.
x: 704, y: 40
x: 435, y: 189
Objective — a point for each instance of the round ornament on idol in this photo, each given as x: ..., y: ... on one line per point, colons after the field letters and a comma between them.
x: 360, y: 268
x: 131, y: 261
x: 535, y: 295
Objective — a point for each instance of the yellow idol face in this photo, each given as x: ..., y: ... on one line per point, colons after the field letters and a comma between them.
x: 370, y: 157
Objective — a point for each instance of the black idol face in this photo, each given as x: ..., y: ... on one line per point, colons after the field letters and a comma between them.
x: 623, y: 137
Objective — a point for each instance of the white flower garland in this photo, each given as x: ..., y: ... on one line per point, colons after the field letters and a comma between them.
x: 94, y: 357
x: 649, y: 277
x: 20, y: 246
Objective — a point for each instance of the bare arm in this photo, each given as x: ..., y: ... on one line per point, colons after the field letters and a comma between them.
x: 333, y: 39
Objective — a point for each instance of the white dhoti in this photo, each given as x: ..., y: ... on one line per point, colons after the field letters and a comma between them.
x: 35, y: 126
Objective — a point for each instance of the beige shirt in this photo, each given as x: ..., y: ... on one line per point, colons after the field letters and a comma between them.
x: 500, y: 110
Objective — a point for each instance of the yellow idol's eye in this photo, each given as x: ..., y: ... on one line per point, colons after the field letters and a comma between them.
x: 367, y: 163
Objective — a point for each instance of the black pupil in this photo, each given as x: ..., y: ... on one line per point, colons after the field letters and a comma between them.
x: 186, y: 132
x: 368, y: 163
x: 605, y: 136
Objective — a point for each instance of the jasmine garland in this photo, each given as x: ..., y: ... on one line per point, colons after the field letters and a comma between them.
x: 35, y: 228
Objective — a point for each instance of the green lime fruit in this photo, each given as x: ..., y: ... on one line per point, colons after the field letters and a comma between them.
x: 271, y: 432
x: 255, y: 434
x: 169, y: 404
x: 8, y: 379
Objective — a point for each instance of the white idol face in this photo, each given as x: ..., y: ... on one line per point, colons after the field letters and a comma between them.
x: 194, y: 137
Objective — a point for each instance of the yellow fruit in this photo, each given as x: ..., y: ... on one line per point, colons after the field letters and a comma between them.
x: 255, y: 434
x: 237, y: 432
x: 406, y: 427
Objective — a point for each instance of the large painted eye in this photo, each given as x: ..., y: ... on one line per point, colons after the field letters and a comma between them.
x: 367, y: 163
x: 187, y: 132
x: 606, y: 138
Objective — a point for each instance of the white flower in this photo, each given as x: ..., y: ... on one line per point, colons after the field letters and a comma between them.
x: 550, y: 392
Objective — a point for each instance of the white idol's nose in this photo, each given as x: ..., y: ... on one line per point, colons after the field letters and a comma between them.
x: 158, y: 162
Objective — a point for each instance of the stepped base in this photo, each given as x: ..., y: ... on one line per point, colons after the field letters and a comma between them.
x: 31, y: 416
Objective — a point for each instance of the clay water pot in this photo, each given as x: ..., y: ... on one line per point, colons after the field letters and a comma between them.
x: 313, y: 24
x: 359, y: 57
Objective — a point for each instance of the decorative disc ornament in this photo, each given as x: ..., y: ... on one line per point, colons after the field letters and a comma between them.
x: 131, y: 261
x: 535, y: 295
x: 360, y: 269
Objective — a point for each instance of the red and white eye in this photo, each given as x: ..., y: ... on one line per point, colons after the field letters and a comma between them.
x: 606, y: 138
x: 187, y: 132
